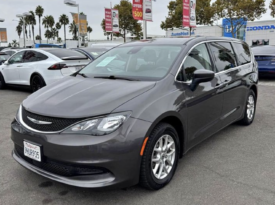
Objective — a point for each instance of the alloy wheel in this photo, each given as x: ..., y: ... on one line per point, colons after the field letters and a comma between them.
x: 163, y: 156
x: 250, y: 107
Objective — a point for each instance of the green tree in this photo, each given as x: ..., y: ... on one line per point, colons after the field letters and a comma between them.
x: 19, y: 30
x: 235, y: 11
x: 73, y: 29
x: 59, y: 40
x: 14, y: 43
x: 54, y: 33
x: 37, y: 37
x: 64, y: 20
x: 32, y: 23
x: 48, y: 34
x: 204, y: 14
x: 272, y: 8
x: 127, y: 23
x: 39, y: 12
x: 89, y: 30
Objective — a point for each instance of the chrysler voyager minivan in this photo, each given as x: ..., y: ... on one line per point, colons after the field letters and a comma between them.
x: 127, y: 117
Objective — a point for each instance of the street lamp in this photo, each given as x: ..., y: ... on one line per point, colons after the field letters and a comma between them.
x: 1, y: 20
x: 74, y: 4
x: 24, y: 22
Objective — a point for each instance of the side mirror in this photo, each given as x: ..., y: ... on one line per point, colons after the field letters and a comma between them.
x: 201, y: 76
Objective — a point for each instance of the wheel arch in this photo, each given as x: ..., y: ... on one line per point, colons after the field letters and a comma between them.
x: 174, y: 119
x: 36, y: 73
x: 255, y: 90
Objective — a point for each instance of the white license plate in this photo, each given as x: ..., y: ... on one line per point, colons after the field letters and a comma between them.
x: 32, y: 151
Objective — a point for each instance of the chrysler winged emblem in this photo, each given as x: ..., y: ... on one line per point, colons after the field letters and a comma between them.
x: 38, y: 121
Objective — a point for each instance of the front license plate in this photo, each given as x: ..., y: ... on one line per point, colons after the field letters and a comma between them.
x: 32, y: 151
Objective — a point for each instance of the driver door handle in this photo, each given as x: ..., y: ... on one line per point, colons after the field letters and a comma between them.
x: 19, y: 66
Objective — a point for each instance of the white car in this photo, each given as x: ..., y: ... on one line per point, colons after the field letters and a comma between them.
x: 40, y: 67
x: 11, y: 51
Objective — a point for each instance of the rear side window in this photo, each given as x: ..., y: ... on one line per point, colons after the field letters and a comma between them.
x: 224, y: 55
x: 243, y: 53
x: 32, y: 56
x: 197, y: 59
x: 66, y: 54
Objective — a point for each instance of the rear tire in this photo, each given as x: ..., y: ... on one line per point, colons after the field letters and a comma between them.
x: 2, y: 82
x: 250, y: 109
x: 160, y: 157
x: 37, y: 82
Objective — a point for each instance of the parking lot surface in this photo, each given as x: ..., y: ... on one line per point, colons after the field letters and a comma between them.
x: 235, y: 166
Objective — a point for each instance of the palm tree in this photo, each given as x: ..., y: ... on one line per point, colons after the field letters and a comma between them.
x: 54, y: 33
x: 32, y: 22
x: 89, y: 30
x: 58, y: 27
x: 48, y: 34
x: 51, y: 21
x: 19, y: 30
x: 45, y: 22
x: 73, y: 29
x: 14, y: 43
x: 64, y: 20
x: 39, y: 12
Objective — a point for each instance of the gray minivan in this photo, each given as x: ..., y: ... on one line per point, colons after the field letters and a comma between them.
x: 127, y: 117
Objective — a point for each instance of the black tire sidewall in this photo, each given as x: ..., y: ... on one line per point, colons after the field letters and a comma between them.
x: 246, y: 120
x: 42, y: 82
x: 2, y: 83
x: 159, y: 131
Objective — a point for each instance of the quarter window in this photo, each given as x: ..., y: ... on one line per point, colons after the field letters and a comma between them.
x: 224, y: 55
x: 197, y: 59
x: 243, y: 53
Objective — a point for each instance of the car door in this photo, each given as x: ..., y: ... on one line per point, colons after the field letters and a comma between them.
x: 231, y: 75
x: 204, y: 104
x: 11, y: 71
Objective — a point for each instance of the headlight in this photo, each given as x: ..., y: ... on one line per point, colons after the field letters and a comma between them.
x: 99, y: 126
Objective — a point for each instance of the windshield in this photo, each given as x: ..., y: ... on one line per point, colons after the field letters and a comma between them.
x: 136, y: 62
x: 4, y: 57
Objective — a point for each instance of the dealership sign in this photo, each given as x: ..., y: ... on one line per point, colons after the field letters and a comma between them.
x: 259, y: 28
x: 189, y: 13
x: 182, y: 34
x: 142, y: 10
x: 111, y: 20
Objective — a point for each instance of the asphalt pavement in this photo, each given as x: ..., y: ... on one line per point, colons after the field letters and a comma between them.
x: 235, y: 166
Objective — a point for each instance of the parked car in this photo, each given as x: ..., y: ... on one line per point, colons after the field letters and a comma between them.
x: 95, y: 50
x: 3, y: 57
x: 11, y: 51
x: 148, y: 11
x: 265, y: 57
x: 39, y: 67
x: 129, y: 115
x: 193, y: 18
x: 115, y: 25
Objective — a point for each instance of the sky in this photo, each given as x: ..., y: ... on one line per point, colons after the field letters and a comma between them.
x: 94, y: 9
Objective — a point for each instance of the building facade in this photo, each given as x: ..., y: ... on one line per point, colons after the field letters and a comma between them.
x: 253, y: 32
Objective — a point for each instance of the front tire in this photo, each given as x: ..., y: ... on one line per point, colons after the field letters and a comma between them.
x: 2, y: 82
x: 37, y: 82
x: 160, y: 157
x: 250, y: 109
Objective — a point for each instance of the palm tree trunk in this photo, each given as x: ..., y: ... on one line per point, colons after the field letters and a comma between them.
x: 65, y: 34
x: 33, y: 33
x: 40, y: 30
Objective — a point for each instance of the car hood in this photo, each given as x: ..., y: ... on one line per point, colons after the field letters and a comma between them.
x: 77, y: 97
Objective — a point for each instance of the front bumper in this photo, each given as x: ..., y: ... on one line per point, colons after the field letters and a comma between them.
x: 117, y: 155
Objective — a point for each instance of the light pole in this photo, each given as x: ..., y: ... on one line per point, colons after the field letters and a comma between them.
x: 24, y: 22
x: 74, y: 4
x: 1, y: 20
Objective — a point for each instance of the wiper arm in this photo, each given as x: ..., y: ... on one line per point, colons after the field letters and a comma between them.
x: 112, y: 77
x: 82, y: 74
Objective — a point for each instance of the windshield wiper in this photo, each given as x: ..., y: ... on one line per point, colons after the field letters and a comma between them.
x: 82, y: 74
x: 112, y: 77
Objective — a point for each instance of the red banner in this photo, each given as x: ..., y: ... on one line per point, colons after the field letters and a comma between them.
x: 108, y: 20
x: 186, y: 13
x: 138, y: 9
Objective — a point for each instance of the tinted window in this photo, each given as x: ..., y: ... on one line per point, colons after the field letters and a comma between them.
x: 96, y: 52
x: 4, y: 57
x: 197, y: 59
x: 17, y: 58
x: 10, y: 52
x: 224, y: 55
x: 66, y: 54
x: 243, y: 53
x: 32, y: 56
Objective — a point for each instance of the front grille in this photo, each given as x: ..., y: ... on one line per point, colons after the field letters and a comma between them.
x: 61, y: 169
x: 58, y: 124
